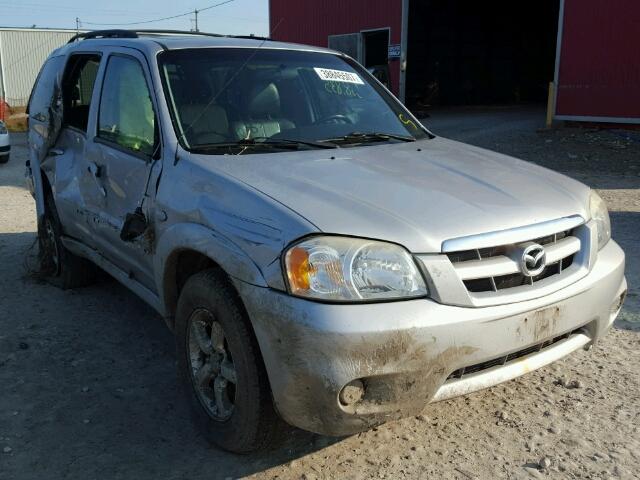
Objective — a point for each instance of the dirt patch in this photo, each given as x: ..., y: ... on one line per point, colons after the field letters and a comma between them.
x: 544, y: 322
x: 89, y: 387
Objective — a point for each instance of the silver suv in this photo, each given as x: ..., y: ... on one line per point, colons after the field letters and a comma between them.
x: 321, y: 256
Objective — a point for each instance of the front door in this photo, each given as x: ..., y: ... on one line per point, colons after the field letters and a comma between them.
x: 120, y: 158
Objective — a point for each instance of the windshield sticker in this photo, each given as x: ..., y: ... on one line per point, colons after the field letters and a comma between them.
x: 329, y: 75
x: 336, y: 88
x: 407, y: 121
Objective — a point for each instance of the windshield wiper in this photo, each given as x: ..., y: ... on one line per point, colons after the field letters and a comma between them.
x: 264, y: 142
x: 364, y: 137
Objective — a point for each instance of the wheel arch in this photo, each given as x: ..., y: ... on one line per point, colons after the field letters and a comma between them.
x: 186, y: 249
x: 46, y: 183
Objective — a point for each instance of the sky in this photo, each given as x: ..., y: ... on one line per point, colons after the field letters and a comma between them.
x: 236, y: 17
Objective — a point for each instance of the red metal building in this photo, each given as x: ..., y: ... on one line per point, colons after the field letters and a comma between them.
x: 462, y: 52
x: 598, y: 63
x: 324, y: 22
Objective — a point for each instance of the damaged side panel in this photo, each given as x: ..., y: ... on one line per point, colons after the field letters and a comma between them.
x: 119, y: 162
x: 45, y: 121
x: 232, y: 224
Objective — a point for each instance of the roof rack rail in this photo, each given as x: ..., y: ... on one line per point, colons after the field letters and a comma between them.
x: 136, y: 33
x: 250, y: 37
x: 178, y: 32
x: 104, y: 34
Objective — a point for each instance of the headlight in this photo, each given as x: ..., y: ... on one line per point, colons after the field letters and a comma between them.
x: 600, y: 215
x: 3, y: 128
x: 344, y: 269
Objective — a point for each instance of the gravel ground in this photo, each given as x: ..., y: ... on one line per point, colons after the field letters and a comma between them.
x: 89, y: 385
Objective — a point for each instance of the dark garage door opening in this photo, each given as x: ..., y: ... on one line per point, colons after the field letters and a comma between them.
x: 480, y: 53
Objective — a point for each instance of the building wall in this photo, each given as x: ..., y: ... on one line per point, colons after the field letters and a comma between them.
x: 22, y: 53
x: 311, y: 22
x: 599, y: 68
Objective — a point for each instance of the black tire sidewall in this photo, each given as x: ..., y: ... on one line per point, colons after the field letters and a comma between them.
x: 51, y: 217
x: 242, y: 432
x: 72, y: 270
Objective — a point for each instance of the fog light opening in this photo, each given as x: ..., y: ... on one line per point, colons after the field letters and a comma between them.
x: 352, y: 393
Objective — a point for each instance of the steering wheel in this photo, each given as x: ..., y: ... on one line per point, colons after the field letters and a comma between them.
x: 337, y: 118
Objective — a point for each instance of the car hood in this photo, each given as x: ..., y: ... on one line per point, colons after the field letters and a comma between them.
x: 417, y: 194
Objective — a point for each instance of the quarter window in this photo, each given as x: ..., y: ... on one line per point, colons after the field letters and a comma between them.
x: 46, y: 88
x: 126, y: 115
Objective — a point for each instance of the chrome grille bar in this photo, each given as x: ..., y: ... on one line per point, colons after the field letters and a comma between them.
x: 516, y: 235
x: 487, y: 274
x: 503, y: 265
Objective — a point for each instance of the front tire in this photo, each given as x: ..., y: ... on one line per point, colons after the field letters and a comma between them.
x: 220, y: 366
x: 4, y: 158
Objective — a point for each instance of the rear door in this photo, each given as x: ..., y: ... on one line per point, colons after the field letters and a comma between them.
x: 67, y: 160
x: 58, y: 121
x: 121, y: 158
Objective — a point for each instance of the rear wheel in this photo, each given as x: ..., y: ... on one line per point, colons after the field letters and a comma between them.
x: 4, y: 158
x: 57, y: 264
x: 220, y: 366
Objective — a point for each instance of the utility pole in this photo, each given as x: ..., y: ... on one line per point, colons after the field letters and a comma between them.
x: 77, y: 25
x: 196, y: 12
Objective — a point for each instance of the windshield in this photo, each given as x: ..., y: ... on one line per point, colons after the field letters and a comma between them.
x: 247, y: 97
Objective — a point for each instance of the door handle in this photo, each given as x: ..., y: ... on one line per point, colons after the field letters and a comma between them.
x: 96, y: 172
x: 55, y: 152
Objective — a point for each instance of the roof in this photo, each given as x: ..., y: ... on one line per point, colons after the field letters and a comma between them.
x: 152, y: 42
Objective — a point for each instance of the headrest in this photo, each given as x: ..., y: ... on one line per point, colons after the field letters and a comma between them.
x: 195, y: 90
x: 204, y: 118
x: 265, y: 101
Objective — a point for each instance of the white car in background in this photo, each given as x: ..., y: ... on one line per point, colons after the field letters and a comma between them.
x: 5, y: 144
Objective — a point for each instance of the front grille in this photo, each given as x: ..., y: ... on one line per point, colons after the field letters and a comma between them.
x: 499, y: 361
x: 493, y: 269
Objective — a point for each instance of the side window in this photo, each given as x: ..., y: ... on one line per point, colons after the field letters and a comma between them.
x: 77, y: 88
x: 126, y: 115
x: 44, y: 90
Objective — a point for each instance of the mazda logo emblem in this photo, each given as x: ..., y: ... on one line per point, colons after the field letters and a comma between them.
x: 533, y: 260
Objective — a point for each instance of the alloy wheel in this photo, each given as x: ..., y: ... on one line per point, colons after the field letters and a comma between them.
x: 213, y: 372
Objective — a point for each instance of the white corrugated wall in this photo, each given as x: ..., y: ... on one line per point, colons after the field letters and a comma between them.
x: 22, y: 53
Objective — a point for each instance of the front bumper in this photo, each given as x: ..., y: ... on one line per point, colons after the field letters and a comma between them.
x: 405, y: 351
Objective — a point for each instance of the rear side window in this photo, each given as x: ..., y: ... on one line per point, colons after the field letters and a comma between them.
x: 77, y: 89
x: 126, y: 115
x: 44, y: 89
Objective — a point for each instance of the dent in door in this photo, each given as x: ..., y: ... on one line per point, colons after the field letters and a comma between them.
x: 45, y: 122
